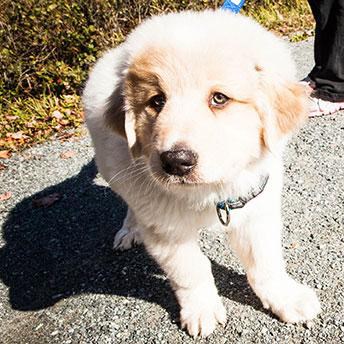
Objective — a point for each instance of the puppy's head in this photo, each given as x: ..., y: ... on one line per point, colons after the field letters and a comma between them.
x: 205, y: 96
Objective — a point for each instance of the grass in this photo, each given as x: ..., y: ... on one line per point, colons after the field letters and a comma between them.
x: 286, y: 18
x: 34, y: 120
x: 47, y: 47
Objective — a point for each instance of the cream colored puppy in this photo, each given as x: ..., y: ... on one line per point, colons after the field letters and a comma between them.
x: 189, y: 118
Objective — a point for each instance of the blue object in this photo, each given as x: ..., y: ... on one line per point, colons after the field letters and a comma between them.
x: 233, y: 5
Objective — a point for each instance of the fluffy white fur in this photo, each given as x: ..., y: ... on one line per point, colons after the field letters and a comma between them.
x: 197, y: 52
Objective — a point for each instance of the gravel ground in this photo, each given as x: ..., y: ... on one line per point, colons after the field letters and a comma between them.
x: 60, y: 281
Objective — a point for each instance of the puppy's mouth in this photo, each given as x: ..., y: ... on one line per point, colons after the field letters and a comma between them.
x: 174, y: 180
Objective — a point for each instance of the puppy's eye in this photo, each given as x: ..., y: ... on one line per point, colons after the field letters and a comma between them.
x: 218, y: 99
x: 157, y: 102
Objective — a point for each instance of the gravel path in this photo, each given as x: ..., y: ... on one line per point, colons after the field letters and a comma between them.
x: 60, y: 281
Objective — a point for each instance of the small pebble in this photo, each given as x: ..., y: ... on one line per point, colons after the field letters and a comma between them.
x: 38, y: 327
x: 309, y: 324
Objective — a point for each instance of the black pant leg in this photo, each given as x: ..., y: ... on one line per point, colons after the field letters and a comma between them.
x: 328, y: 72
x: 321, y: 10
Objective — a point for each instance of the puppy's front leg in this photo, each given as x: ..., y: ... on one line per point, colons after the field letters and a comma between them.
x: 190, y: 274
x: 258, y: 245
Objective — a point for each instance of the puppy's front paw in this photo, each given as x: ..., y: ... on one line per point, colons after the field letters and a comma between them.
x: 301, y: 304
x: 290, y: 301
x: 200, y: 315
x: 126, y: 237
x: 129, y: 234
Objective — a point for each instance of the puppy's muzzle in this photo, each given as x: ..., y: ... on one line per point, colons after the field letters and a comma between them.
x: 178, y: 162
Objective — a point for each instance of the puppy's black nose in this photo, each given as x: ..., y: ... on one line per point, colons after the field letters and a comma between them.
x: 178, y: 162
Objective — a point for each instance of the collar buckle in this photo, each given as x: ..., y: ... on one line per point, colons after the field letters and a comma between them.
x: 224, y: 219
x: 223, y: 208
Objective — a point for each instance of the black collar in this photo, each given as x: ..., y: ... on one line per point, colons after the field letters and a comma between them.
x: 230, y: 203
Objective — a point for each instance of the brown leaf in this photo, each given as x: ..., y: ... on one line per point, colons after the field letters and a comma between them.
x: 46, y: 201
x: 5, y: 154
x: 47, y: 132
x: 8, y: 139
x: 16, y: 136
x: 5, y: 196
x: 27, y: 156
x: 65, y: 136
x: 11, y: 118
x: 30, y: 124
x: 294, y: 245
x: 57, y: 114
x: 67, y: 154
x: 64, y: 121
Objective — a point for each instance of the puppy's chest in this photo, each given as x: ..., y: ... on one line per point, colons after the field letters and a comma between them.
x: 176, y: 215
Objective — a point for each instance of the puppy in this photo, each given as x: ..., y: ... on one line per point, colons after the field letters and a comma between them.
x: 189, y: 118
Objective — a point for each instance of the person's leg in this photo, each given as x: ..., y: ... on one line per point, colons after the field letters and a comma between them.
x: 327, y: 76
x: 321, y: 10
x: 330, y: 78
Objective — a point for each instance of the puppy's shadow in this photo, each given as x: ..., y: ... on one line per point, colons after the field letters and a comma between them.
x: 66, y: 249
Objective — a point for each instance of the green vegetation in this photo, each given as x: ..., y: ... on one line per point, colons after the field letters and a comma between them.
x: 47, y: 47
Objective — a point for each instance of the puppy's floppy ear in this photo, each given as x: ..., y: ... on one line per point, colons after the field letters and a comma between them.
x: 291, y: 107
x: 130, y: 130
x: 115, y: 113
x: 283, y: 109
x: 122, y: 121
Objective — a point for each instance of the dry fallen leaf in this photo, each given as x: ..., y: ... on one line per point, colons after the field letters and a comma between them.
x: 27, y: 156
x: 16, y: 136
x: 5, y: 154
x: 46, y: 201
x: 11, y: 118
x: 64, y: 121
x: 65, y: 136
x: 5, y: 196
x: 57, y: 114
x: 294, y: 245
x: 30, y: 124
x: 67, y: 154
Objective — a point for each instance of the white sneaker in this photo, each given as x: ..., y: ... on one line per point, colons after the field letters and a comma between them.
x: 320, y: 107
